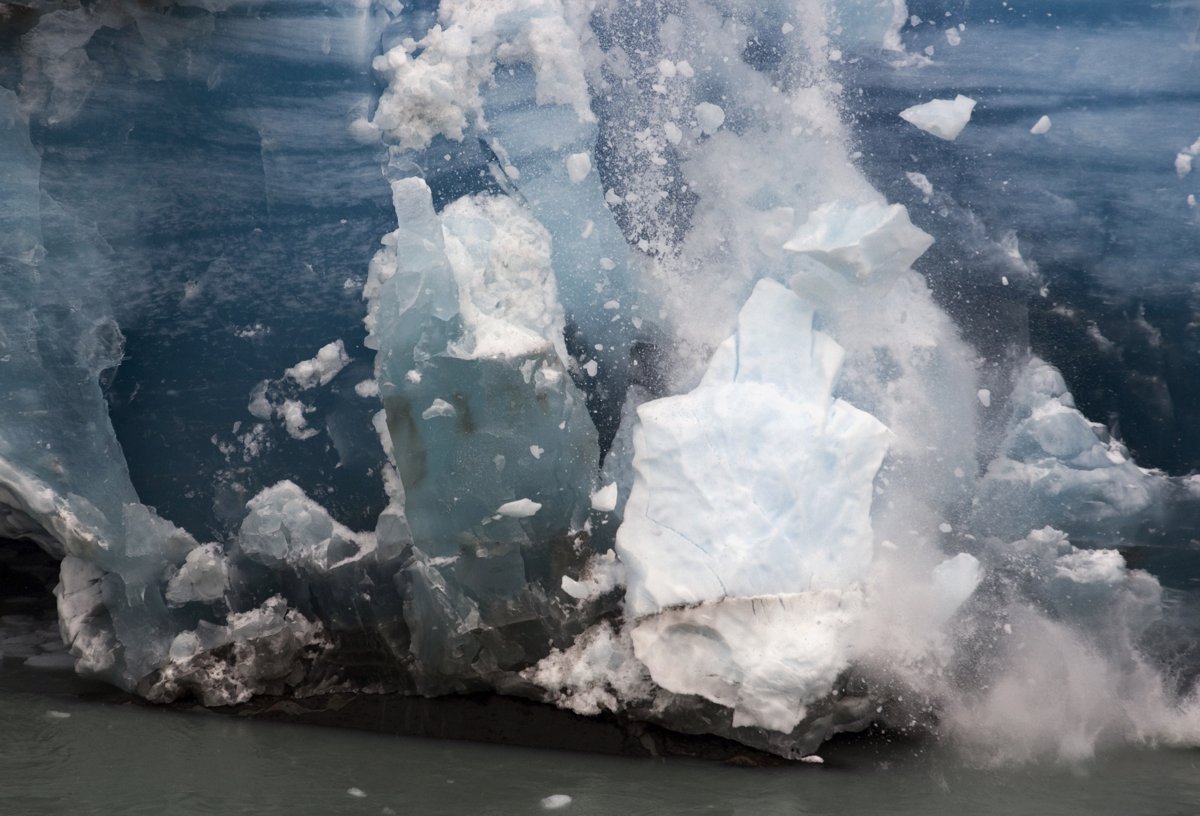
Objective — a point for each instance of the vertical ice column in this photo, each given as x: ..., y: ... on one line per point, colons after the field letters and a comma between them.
x: 491, y: 438
x: 62, y: 477
x: 509, y: 77
x: 747, y: 536
x: 548, y: 150
x: 490, y: 435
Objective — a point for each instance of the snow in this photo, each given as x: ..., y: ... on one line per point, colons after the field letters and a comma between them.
x: 944, y: 118
x: 1041, y: 126
x: 433, y: 84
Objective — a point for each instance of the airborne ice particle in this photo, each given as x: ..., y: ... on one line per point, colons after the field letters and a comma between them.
x: 520, y: 508
x: 1041, y: 126
x: 944, y: 118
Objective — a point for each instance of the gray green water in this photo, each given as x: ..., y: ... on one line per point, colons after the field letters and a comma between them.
x: 68, y: 749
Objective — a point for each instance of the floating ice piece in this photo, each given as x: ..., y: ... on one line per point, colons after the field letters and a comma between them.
x: 944, y: 118
x: 1040, y: 126
x: 921, y: 182
x: 861, y: 241
x: 58, y: 660
x: 555, y: 801
x: 357, y: 793
x: 710, y: 117
x: 520, y: 508
x: 438, y: 408
x: 321, y: 369
x: 57, y: 715
x: 1183, y: 164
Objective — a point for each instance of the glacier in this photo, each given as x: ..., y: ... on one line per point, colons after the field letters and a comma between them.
x: 653, y: 361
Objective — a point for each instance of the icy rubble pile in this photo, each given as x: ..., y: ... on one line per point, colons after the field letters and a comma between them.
x: 667, y: 428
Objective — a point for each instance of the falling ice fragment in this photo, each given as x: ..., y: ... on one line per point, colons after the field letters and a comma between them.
x: 944, y: 118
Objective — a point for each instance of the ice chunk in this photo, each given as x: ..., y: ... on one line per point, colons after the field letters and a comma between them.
x: 468, y: 301
x: 555, y: 801
x: 1041, y: 126
x: 1183, y: 164
x: 1057, y: 467
x: 321, y: 369
x: 921, y: 182
x: 204, y: 577
x: 57, y: 661
x: 605, y: 499
x: 758, y: 481
x: 861, y: 241
x: 944, y: 118
x: 521, y: 508
x: 766, y: 657
x: 710, y: 117
x: 578, y: 166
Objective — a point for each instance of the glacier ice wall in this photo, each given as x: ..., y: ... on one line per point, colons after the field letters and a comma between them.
x: 627, y: 357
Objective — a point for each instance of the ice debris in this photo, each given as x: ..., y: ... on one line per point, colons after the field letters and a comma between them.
x: 944, y: 118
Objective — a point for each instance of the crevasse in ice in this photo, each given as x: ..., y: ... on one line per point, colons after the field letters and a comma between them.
x: 569, y: 350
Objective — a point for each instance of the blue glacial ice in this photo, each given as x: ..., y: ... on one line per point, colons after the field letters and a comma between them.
x: 755, y: 369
